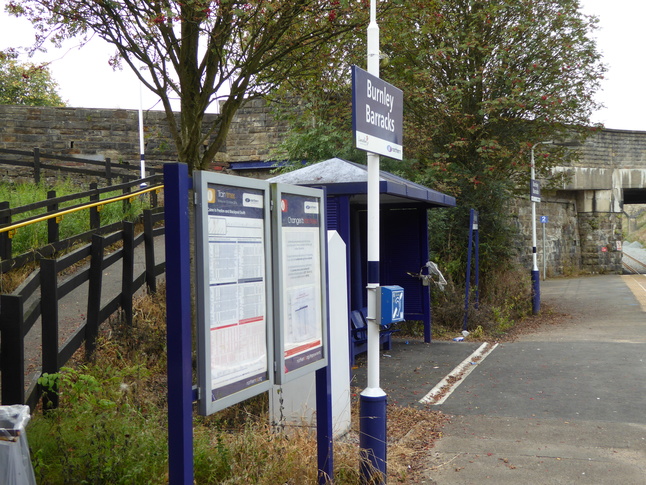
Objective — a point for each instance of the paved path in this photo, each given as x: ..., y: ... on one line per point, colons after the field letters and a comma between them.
x: 564, y: 405
x: 72, y: 310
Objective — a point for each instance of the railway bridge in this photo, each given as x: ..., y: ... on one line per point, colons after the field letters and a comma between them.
x: 583, y: 221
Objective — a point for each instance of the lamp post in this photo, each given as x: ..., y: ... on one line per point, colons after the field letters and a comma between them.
x: 535, y: 197
x: 536, y: 280
x: 373, y: 400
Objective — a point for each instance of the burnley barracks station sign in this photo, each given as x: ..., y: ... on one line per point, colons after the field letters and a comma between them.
x: 377, y: 115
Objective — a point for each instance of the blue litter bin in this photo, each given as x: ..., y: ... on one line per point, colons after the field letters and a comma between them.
x: 15, y: 464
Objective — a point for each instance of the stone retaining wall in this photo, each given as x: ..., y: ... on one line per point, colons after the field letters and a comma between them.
x: 114, y: 133
x: 575, y: 242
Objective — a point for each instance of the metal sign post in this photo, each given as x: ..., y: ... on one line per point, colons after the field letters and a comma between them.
x: 372, y: 413
x: 178, y: 316
x: 473, y: 232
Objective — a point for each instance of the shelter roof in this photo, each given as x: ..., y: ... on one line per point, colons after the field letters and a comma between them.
x: 341, y: 177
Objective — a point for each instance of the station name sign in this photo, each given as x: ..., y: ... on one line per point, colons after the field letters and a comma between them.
x: 377, y: 115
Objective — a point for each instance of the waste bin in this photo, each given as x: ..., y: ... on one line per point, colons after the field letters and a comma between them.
x: 15, y: 464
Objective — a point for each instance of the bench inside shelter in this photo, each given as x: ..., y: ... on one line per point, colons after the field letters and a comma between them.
x: 359, y: 328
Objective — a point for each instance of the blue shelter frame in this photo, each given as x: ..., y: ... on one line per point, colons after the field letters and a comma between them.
x: 404, y: 244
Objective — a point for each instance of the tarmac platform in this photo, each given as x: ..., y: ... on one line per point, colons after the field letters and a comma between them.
x: 563, y: 404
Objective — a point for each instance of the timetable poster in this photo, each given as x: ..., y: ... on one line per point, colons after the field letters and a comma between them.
x: 236, y: 286
x: 301, y: 291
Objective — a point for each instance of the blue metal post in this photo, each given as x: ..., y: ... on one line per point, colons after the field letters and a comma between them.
x: 476, y: 230
x: 372, y: 438
x: 324, y: 425
x: 178, y: 321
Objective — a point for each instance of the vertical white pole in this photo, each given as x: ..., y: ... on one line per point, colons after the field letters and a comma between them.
x: 544, y: 253
x: 536, y: 298
x: 141, y: 134
x: 535, y: 273
x: 373, y: 222
x: 372, y: 414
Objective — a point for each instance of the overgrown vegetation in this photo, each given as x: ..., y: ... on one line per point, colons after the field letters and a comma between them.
x: 634, y: 224
x: 111, y: 428
x: 34, y: 236
x: 501, y: 309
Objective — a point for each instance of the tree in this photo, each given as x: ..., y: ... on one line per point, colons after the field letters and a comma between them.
x: 483, y: 81
x: 200, y: 51
x: 320, y: 121
x: 26, y: 83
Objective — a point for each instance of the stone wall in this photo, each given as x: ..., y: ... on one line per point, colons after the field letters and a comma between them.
x: 600, y: 233
x: 575, y: 242
x: 614, y: 149
x: 562, y: 240
x: 106, y: 133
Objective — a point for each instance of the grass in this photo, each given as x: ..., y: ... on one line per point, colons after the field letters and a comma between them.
x: 111, y: 426
x: 34, y: 235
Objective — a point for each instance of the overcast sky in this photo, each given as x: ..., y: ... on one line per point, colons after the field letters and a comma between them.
x: 86, y: 79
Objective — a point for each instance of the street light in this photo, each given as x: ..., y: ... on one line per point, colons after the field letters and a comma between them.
x: 535, y: 197
x: 533, y: 194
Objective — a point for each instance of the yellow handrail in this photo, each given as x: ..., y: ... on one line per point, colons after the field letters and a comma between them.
x: 132, y: 195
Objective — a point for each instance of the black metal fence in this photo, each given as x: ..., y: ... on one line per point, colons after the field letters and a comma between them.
x: 9, y: 217
x: 37, y: 300
x: 35, y: 163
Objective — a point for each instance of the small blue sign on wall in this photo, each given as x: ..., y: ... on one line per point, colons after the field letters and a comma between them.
x: 392, y: 304
x: 544, y: 220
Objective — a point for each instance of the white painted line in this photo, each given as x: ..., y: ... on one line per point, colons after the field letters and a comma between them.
x: 462, y: 371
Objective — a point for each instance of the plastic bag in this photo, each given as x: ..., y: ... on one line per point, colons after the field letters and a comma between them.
x: 15, y: 464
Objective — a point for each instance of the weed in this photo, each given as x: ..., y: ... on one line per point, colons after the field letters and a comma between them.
x: 504, y: 303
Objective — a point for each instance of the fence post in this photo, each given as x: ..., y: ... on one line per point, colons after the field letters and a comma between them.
x: 52, y: 224
x: 128, y: 261
x: 49, y: 321
x: 95, y: 212
x: 94, y: 294
x: 149, y: 249
x: 108, y: 170
x: 5, y: 240
x: 37, y: 165
x: 154, y: 199
x: 12, y: 350
x: 126, y: 202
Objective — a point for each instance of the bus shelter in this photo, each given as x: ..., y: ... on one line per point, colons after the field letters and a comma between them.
x: 404, y: 246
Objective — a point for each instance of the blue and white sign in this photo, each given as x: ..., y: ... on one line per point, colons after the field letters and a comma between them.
x: 544, y: 220
x: 377, y: 115
x: 392, y: 304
